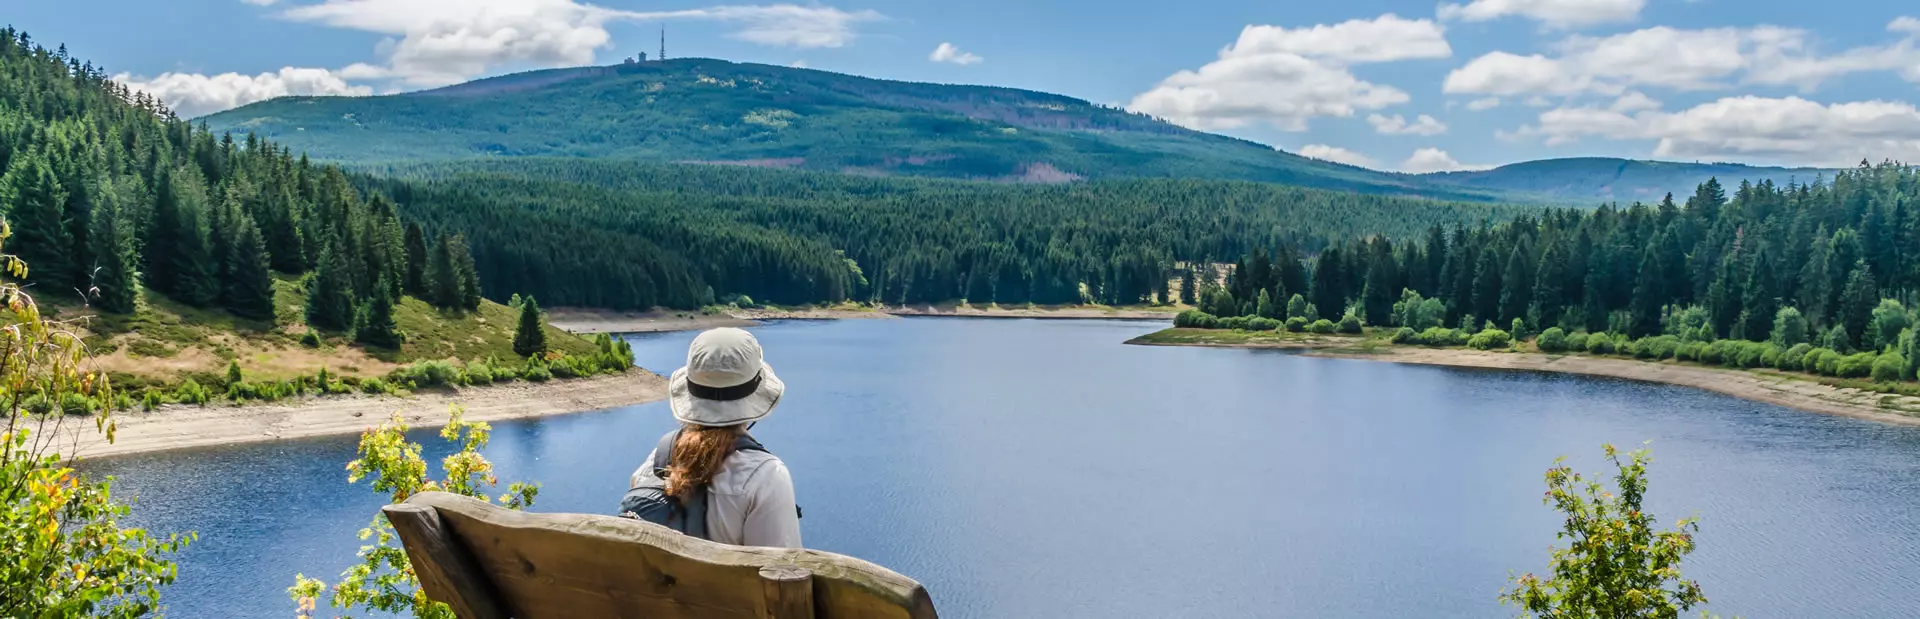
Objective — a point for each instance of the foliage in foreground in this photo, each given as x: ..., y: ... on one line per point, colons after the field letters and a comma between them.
x: 66, y: 552
x: 1616, y: 564
x: 383, y: 581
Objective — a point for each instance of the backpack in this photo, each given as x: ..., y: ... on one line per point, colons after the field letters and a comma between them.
x: 650, y: 501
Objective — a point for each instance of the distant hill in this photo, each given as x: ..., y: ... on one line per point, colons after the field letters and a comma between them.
x: 719, y: 112
x: 1589, y: 181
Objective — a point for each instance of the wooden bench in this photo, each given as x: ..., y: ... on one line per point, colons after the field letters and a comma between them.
x: 488, y: 562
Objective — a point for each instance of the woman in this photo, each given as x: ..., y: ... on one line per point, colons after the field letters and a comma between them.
x: 746, y: 491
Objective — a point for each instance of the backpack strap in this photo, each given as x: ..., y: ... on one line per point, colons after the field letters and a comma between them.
x: 663, y: 454
x: 746, y: 443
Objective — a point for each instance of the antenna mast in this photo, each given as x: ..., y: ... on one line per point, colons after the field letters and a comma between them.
x: 663, y: 42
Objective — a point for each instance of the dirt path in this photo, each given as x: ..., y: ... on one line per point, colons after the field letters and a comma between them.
x: 179, y: 427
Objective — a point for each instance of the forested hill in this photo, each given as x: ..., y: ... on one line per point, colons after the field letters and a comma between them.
x: 1589, y: 181
x: 713, y: 111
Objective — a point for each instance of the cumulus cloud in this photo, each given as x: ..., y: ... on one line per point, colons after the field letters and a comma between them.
x: 1788, y: 130
x: 1678, y: 59
x: 1284, y: 76
x: 1552, y: 13
x: 779, y: 25
x: 1483, y: 104
x: 951, y: 54
x: 1904, y: 24
x: 1336, y: 154
x: 1634, y: 102
x: 1430, y: 159
x: 191, y: 95
x: 1398, y: 125
x: 260, y: 2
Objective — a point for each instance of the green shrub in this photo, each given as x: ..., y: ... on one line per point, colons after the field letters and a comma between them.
x: 1822, y: 361
x: 566, y: 367
x: 1794, y: 358
x: 1405, y: 335
x: 1889, y: 368
x: 1554, y: 339
x: 1656, y: 347
x: 76, y: 404
x: 1689, y: 350
x: 1350, y: 324
x: 1234, y: 323
x: 478, y: 373
x: 1258, y: 323
x: 1600, y: 344
x: 1321, y: 326
x: 1296, y: 324
x: 1194, y: 319
x: 1489, y: 339
x: 1577, y: 341
x: 152, y: 399
x: 37, y: 404
x: 429, y: 373
x: 310, y: 339
x: 538, y: 373
x: 1441, y: 336
x: 1857, y: 365
x: 190, y: 392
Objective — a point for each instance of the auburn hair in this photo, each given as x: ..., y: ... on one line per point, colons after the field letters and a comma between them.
x: 697, y: 456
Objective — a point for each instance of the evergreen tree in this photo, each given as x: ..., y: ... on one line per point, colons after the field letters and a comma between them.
x: 1329, y: 284
x: 1723, y: 299
x: 1789, y: 328
x: 1548, y: 289
x: 35, y: 205
x: 469, y: 276
x: 373, y: 324
x: 1761, y: 301
x: 1516, y: 290
x: 115, y: 286
x: 1186, y: 287
x: 1648, y: 293
x: 249, y: 282
x: 1297, y: 307
x: 329, y: 294
x: 1857, y: 300
x: 443, y: 276
x: 1487, y: 285
x: 196, y: 269
x: 529, y: 339
x: 1264, y: 307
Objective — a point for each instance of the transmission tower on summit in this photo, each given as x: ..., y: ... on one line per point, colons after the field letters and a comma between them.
x: 663, y: 43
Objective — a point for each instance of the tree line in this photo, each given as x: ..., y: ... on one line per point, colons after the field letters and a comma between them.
x: 1832, y: 261
x: 106, y: 191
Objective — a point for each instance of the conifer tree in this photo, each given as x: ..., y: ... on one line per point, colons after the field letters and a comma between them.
x: 34, y: 204
x: 529, y: 339
x: 249, y: 282
x: 1760, y: 305
x: 1186, y: 287
x: 1857, y: 300
x: 196, y: 269
x: 115, y: 286
x: 1329, y: 284
x: 1644, y: 308
x: 1486, y: 285
x: 374, y: 323
x: 469, y: 274
x: 329, y: 294
x: 443, y: 276
x: 1264, y: 306
x: 1516, y: 284
x: 1548, y: 289
x: 416, y: 245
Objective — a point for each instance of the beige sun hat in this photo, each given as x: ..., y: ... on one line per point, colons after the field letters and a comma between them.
x: 726, y: 381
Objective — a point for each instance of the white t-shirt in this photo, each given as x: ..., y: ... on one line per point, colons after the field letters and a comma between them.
x: 750, y: 502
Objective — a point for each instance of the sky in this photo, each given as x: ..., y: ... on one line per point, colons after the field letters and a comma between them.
x: 1411, y: 86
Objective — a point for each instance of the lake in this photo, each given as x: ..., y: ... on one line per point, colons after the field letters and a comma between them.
x: 1030, y: 468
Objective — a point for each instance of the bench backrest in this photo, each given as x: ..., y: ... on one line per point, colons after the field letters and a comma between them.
x: 488, y: 562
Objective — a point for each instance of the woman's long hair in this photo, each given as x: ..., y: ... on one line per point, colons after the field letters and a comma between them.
x: 697, y: 456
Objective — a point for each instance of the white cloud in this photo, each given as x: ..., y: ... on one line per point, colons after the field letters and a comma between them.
x: 1430, y: 159
x: 1633, y: 102
x: 1537, y: 101
x: 949, y: 53
x: 1904, y: 24
x: 191, y: 95
x: 1553, y: 13
x: 260, y: 2
x: 1664, y: 57
x: 1787, y: 130
x: 1284, y: 77
x: 1487, y: 103
x: 798, y: 64
x: 1383, y: 39
x: 1336, y: 154
x: 1398, y: 125
x: 438, y: 42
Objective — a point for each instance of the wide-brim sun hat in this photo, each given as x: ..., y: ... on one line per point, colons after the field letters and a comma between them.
x: 726, y: 381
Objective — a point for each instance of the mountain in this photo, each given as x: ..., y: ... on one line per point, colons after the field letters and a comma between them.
x: 1593, y: 180
x: 719, y: 112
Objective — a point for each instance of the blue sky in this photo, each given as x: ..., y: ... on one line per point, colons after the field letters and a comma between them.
x: 1414, y: 86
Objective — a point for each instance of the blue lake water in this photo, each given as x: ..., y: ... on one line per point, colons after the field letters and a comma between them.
x: 1043, y: 469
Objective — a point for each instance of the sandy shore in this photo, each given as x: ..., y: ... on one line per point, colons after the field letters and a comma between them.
x: 179, y: 427
x: 1762, y: 386
x: 603, y: 321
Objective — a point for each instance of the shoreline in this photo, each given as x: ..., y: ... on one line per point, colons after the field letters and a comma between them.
x: 175, y: 426
x: 1765, y: 387
x: 588, y: 321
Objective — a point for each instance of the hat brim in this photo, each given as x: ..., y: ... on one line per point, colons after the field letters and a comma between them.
x: 716, y: 413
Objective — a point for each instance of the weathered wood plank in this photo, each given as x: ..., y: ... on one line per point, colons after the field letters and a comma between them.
x: 789, y: 591
x: 446, y: 571
x: 555, y: 566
